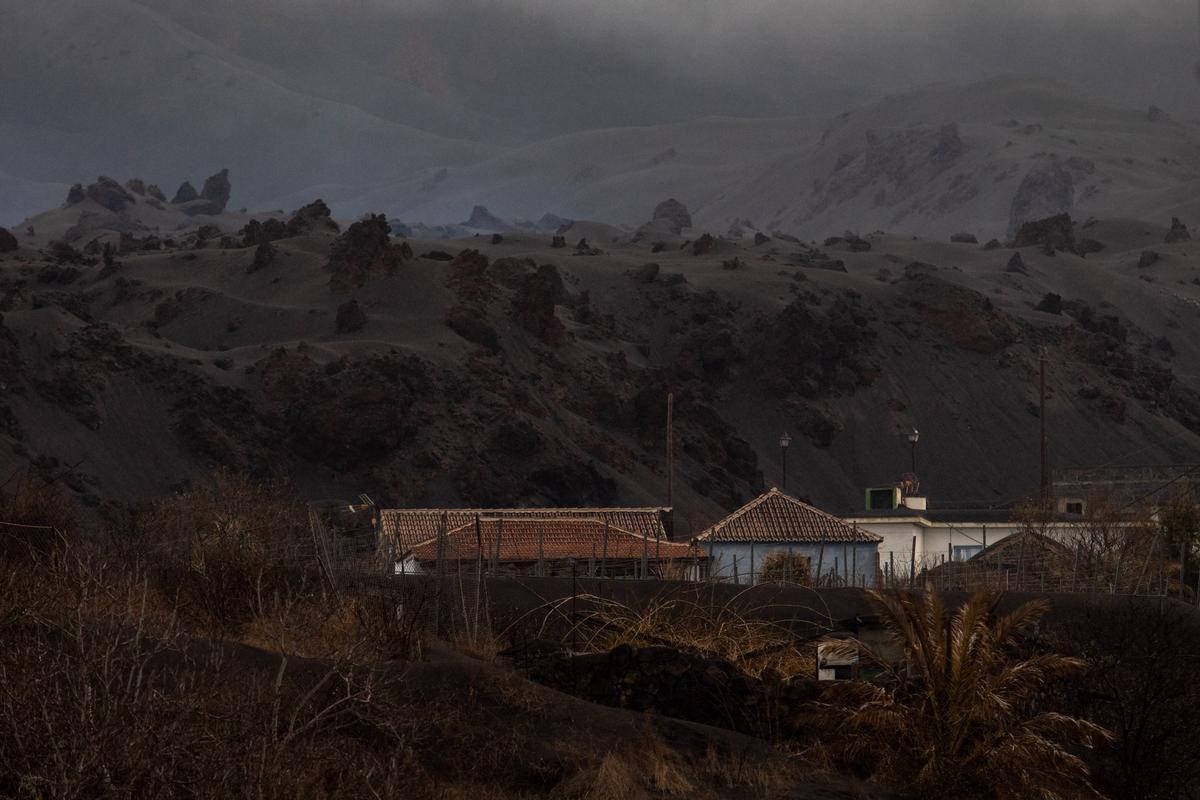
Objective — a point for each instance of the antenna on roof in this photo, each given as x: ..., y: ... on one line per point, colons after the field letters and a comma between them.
x: 670, y: 447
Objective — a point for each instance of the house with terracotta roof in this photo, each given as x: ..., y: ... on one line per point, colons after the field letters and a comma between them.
x: 400, y: 529
x: 546, y: 546
x: 776, y: 537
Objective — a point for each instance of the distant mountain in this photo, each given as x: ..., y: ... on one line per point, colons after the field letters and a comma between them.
x: 936, y: 161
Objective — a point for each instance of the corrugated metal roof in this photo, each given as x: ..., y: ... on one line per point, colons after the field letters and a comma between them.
x: 557, y: 538
x: 403, y: 528
x: 778, y: 517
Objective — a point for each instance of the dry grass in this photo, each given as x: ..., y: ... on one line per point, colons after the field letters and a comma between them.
x: 724, y: 630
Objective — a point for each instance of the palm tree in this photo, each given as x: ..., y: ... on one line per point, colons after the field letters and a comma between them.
x: 959, y: 714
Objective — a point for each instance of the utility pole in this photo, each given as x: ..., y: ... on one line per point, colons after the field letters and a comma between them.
x: 1044, y: 486
x: 670, y: 448
x: 785, y: 442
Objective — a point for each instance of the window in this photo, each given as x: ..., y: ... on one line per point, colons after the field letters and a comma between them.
x: 962, y: 552
x: 1074, y: 506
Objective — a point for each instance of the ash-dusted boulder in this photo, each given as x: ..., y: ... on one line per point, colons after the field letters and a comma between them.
x: 949, y: 145
x: 312, y: 218
x: 156, y: 193
x: 675, y: 212
x: 1178, y: 233
x: 110, y: 194
x: 365, y: 251
x: 761, y: 238
x: 992, y: 244
x: 136, y: 185
x: 350, y: 317
x: 185, y: 194
x: 8, y: 242
x: 1044, y: 192
x: 1052, y: 233
x: 484, y: 220
x: 964, y: 238
x: 76, y: 194
x: 1016, y: 264
x: 533, y: 304
x: 646, y: 273
x: 217, y: 190
x: 1148, y: 259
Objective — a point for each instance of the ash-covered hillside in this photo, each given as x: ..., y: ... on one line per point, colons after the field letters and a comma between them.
x: 146, y: 341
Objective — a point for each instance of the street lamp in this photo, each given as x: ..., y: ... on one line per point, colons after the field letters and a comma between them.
x: 913, y: 438
x: 785, y: 442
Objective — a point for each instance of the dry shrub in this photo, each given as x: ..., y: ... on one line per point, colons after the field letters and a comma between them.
x: 646, y: 767
x: 34, y: 512
x: 723, y: 630
x: 765, y: 774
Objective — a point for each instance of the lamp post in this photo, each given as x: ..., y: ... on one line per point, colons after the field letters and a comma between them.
x: 785, y: 442
x: 913, y: 438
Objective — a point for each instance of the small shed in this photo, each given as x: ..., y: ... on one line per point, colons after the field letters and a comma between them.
x: 552, y: 546
x: 776, y: 537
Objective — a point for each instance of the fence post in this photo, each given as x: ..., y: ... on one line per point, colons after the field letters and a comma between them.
x: 541, y: 562
x: 854, y: 564
x: 820, y: 564
x: 737, y: 580
x: 645, y: 555
x: 1075, y: 569
x: 891, y: 581
x: 753, y: 575
x: 912, y: 565
x: 1182, y: 566
x: 604, y: 551
x: 836, y: 574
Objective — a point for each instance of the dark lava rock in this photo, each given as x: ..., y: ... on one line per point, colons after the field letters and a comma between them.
x: 156, y: 193
x: 313, y: 218
x: 350, y: 317
x: 185, y: 194
x: 136, y: 185
x: 58, y: 274
x: 558, y: 241
x: 949, y: 145
x: 110, y: 194
x: 8, y: 242
x: 63, y: 253
x: 534, y: 302
x: 217, y: 190
x: 1016, y: 264
x: 734, y: 263
x: 992, y: 244
x: 675, y: 212
x: 256, y: 233
x: 1086, y: 246
x: 264, y: 256
x: 364, y: 251
x: 705, y: 244
x: 582, y: 248
x: 1148, y: 259
x: 1052, y: 303
x: 646, y: 273
x: 482, y: 219
x: 1057, y: 232
x: 853, y: 242
x: 964, y: 238
x: 497, y: 238
x: 468, y: 324
x: 437, y: 255
x: 1047, y: 191
x: 1178, y: 233
x: 76, y: 195
x: 761, y: 238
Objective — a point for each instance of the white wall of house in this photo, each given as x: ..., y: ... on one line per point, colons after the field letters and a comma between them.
x: 936, y: 541
x: 739, y: 562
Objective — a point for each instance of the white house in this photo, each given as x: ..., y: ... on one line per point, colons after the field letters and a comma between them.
x: 777, y: 537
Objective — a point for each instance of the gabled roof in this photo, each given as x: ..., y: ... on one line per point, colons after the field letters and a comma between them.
x: 405, y: 527
x: 778, y: 517
x: 552, y: 538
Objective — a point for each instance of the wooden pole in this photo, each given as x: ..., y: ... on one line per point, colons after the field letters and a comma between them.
x: 820, y: 562
x: 670, y: 449
x: 604, y: 551
x: 912, y: 565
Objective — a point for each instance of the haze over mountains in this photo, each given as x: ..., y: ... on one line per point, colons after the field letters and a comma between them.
x: 564, y: 107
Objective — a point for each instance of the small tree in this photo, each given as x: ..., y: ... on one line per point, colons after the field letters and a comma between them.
x: 959, y: 715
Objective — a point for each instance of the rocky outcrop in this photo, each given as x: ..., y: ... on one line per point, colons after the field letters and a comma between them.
x: 1044, y: 192
x: 534, y: 301
x: 363, y: 252
x: 111, y: 195
x: 156, y: 193
x: 964, y: 238
x: 949, y: 145
x: 312, y: 218
x: 484, y: 220
x: 1148, y: 259
x: 675, y: 213
x: 1057, y: 233
x: 258, y: 233
x: 968, y: 318
x: 185, y: 194
x: 216, y: 191
x: 8, y: 242
x: 1016, y: 264
x: 350, y: 317
x: 1178, y: 233
x: 136, y: 185
x: 76, y: 195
